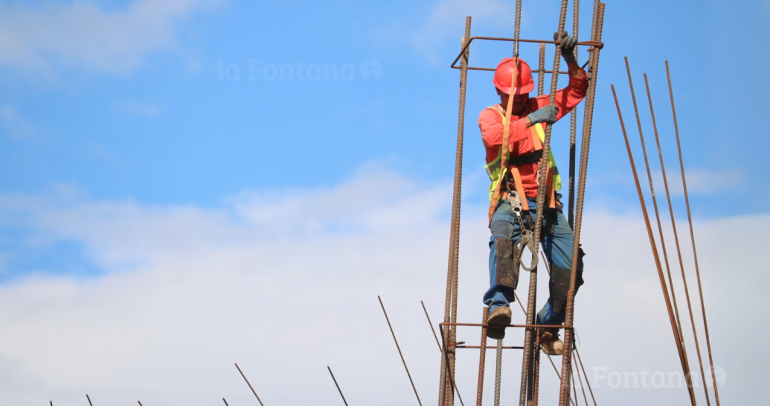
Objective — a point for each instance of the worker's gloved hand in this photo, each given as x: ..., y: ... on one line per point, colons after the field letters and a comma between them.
x: 567, y: 46
x: 546, y: 114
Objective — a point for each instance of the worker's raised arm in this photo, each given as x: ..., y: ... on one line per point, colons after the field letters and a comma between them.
x: 566, y: 99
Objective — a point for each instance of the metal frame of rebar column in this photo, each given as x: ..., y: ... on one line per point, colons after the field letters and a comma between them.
x: 566, y: 365
x: 692, y: 234
x: 541, y: 192
x: 573, y: 126
x: 446, y: 392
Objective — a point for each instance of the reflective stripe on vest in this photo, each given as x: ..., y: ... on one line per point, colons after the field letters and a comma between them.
x: 493, y: 168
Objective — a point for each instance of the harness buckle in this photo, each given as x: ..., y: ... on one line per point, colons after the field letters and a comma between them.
x: 529, y: 242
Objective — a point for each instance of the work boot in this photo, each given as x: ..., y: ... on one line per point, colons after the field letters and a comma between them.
x: 497, y: 321
x: 551, y: 344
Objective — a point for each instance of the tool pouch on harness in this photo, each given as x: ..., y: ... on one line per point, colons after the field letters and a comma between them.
x: 559, y: 286
x: 507, y: 263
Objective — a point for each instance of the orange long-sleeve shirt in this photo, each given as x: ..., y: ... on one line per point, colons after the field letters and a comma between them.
x: 491, y: 125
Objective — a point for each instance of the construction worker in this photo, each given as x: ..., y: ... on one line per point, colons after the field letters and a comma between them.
x: 514, y: 191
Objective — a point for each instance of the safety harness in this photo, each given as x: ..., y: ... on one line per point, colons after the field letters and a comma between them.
x: 506, y: 184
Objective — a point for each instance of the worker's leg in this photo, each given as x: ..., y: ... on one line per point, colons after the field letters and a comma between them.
x: 505, y: 230
x: 557, y: 247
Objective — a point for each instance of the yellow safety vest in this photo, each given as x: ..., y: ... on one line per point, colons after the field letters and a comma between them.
x: 493, y: 168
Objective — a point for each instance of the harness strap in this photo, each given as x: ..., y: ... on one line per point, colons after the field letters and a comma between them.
x: 519, y: 187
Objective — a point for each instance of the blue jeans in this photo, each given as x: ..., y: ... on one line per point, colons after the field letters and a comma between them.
x: 557, y: 247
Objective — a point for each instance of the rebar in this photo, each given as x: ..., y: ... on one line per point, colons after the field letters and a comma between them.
x: 223, y: 399
x: 534, y: 380
x: 399, y: 350
x: 498, y: 371
x: 517, y: 28
x: 541, y: 71
x: 681, y: 347
x: 582, y: 388
x: 574, y: 389
x: 559, y: 376
x: 140, y: 403
x: 482, y: 356
x: 541, y: 192
x: 337, y: 385
x: 692, y: 234
x: 450, y: 310
x: 573, y: 125
x: 536, y: 372
x: 439, y: 347
x: 582, y: 175
x: 443, y: 340
x: 249, y: 383
x: 89, y: 400
x: 649, y: 233
x: 588, y: 383
x: 678, y: 250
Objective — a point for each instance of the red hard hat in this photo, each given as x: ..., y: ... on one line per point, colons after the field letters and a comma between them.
x: 504, y: 72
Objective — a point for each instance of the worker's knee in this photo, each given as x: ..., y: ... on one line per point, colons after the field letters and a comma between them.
x: 502, y: 228
x: 560, y: 283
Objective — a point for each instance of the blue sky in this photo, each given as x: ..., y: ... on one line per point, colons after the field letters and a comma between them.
x: 164, y: 129
x: 121, y: 120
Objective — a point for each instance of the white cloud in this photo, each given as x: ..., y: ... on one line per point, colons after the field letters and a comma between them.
x: 85, y: 35
x: 15, y: 124
x: 285, y: 283
x: 446, y: 20
x: 149, y: 109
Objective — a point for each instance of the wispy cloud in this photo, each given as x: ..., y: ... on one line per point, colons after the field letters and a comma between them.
x: 445, y: 21
x: 15, y: 124
x: 147, y: 109
x: 285, y: 282
x: 47, y: 35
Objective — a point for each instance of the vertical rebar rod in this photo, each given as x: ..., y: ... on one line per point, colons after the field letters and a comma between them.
x: 541, y: 192
x: 140, y: 403
x: 566, y: 369
x: 89, y: 400
x: 692, y: 234
x: 446, y: 396
x: 650, y: 235
x: 439, y: 348
x: 573, y: 125
x: 337, y: 385
x: 223, y: 399
x: 516, y: 29
x: 536, y: 372
x: 482, y: 356
x: 249, y: 383
x: 399, y: 350
x: 533, y: 384
x: 682, y: 348
x: 559, y: 376
x: 498, y: 371
x: 541, y: 71
x: 676, y: 241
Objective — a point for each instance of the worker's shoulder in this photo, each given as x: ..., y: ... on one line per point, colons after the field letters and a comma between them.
x: 490, y: 112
